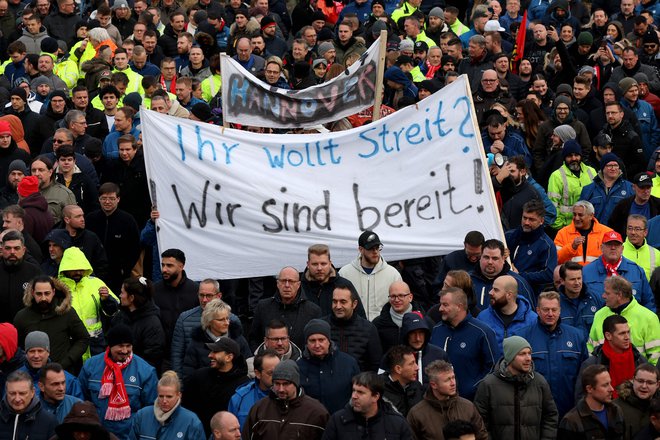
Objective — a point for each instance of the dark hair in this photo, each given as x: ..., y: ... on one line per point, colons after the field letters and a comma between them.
x: 177, y: 254
x: 474, y: 238
x: 149, y: 81
x: 518, y: 161
x: 654, y: 408
x: 109, y: 188
x: 65, y: 151
x: 649, y: 368
x: 395, y: 356
x: 141, y: 288
x: 370, y: 380
x: 259, y: 359
x: 494, y: 244
x: 457, y: 428
x: 274, y: 324
x: 589, y: 375
x: 51, y: 366
x: 344, y: 284
x: 109, y: 89
x: 41, y: 279
x: 569, y: 265
x: 12, y: 235
x: 610, y: 323
x: 77, y: 89
x: 535, y: 206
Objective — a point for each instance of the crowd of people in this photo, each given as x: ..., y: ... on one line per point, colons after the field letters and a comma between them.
x: 550, y: 333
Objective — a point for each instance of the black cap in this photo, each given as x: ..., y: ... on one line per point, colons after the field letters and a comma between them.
x: 642, y: 179
x: 369, y: 240
x: 421, y: 46
x: 225, y: 344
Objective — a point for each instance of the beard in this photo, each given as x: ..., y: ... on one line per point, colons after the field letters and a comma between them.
x: 574, y: 166
x: 43, y: 306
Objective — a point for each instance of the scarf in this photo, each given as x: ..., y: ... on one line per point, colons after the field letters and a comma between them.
x: 398, y: 317
x: 112, y: 386
x: 622, y: 365
x: 162, y: 416
x: 611, y: 269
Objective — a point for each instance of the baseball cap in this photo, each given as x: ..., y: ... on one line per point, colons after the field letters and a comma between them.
x: 642, y: 179
x: 225, y: 344
x: 612, y: 236
x: 369, y: 240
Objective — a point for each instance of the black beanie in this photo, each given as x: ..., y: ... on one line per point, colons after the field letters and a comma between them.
x: 120, y: 334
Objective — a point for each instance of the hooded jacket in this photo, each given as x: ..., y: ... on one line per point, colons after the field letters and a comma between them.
x: 197, y: 353
x: 428, y: 417
x: 68, y: 336
x: 388, y: 423
x: 33, y: 41
x: 174, y: 300
x: 373, y: 287
x: 413, y: 321
x: 33, y: 423
x: 181, y: 424
x: 38, y: 220
x: 524, y: 316
x: 516, y: 407
x: 82, y: 417
x: 13, y: 280
x: 604, y: 200
x: 635, y: 410
x: 389, y: 333
x: 148, y: 335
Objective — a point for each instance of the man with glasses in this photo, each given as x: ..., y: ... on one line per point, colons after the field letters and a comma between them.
x: 289, y: 305
x: 390, y: 320
x: 370, y: 274
x: 635, y: 398
x: 612, y: 262
x: 488, y: 92
x: 62, y: 24
x: 642, y: 203
x: 626, y: 142
x: 97, y: 125
x: 277, y: 340
x: 636, y: 248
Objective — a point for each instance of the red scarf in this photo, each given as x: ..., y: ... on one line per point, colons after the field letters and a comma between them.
x: 611, y: 269
x: 622, y: 365
x: 112, y: 386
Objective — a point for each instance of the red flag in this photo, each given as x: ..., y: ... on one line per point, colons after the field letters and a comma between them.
x: 519, y: 48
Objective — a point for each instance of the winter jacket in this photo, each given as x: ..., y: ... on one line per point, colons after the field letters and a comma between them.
x: 534, y: 255
x: 244, y: 399
x: 207, y: 382
x: 90, y: 244
x: 557, y: 355
x: 456, y: 260
x: 359, y: 338
x: 132, y: 180
x: 516, y: 407
x: 579, y: 312
x: 428, y: 417
x: 482, y: 286
x: 147, y: 331
x: 646, y: 257
x: 85, y: 298
x: 58, y: 196
x: 302, y: 417
x: 513, y: 199
x: 61, y: 408
x: 594, y: 275
x: 321, y: 293
x: 34, y: 133
x: 412, y: 321
x: 294, y: 353
x: 197, y: 353
x: 581, y: 423
x: 402, y: 397
x: 8, y: 155
x: 644, y: 334
x: 523, y: 317
x: 472, y: 345
x: 295, y: 315
x: 564, y: 242
x: 328, y: 379
x: 72, y: 384
x: 62, y: 26
x: 627, y: 145
x: 604, y: 200
x: 33, y: 423
x: 354, y: 45
x: 541, y: 148
x: 374, y: 287
x: 68, y: 336
x: 82, y: 416
x: 13, y: 280
x: 33, y: 41
x: 635, y: 410
x: 181, y: 424
x: 619, y: 217
x: 174, y: 300
x: 514, y: 144
x: 83, y: 188
x: 141, y: 388
x: 564, y: 189
x: 346, y: 424
x: 650, y: 134
x: 388, y: 332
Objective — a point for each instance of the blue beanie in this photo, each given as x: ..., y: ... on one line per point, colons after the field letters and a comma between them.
x: 570, y: 147
x: 607, y: 158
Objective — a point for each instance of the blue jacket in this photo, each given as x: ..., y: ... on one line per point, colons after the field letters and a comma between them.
x: 557, y: 355
x: 472, y: 346
x: 110, y: 147
x: 594, y: 274
x: 550, y: 208
x: 536, y: 9
x: 653, y: 239
x: 482, y: 285
x: 244, y: 399
x: 604, y: 202
x: 534, y: 255
x: 653, y: 7
x: 140, y: 380
x: 328, y: 380
x: 648, y: 123
x: 183, y: 424
x: 524, y: 316
x: 72, y: 384
x: 60, y: 410
x: 363, y: 11
x: 514, y: 145
x: 579, y: 312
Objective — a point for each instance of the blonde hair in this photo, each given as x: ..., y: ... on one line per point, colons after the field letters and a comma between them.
x: 170, y: 379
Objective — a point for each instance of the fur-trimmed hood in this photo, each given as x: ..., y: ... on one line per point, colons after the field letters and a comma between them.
x: 62, y: 296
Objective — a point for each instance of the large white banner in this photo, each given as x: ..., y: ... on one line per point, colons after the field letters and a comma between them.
x: 241, y: 204
x: 247, y: 100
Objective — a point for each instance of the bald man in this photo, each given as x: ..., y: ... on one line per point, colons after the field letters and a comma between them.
x: 507, y: 312
x: 224, y: 426
x: 390, y: 320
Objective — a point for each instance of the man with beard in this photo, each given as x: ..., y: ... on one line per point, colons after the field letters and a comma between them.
x: 508, y: 313
x: 595, y: 414
x: 463, y: 259
x: 514, y: 189
x: 227, y: 373
x: 15, y: 173
x: 15, y: 273
x: 442, y: 405
x: 183, y: 45
x: 641, y: 202
x: 367, y: 406
x: 57, y: 195
x: 48, y: 309
x: 346, y: 44
x: 565, y: 184
x: 92, y: 299
x: 533, y: 253
x: 580, y: 240
x: 175, y: 293
x: 87, y: 241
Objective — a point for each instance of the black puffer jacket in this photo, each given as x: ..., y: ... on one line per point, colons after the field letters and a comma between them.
x: 346, y: 424
x: 33, y: 423
x: 321, y: 293
x: 197, y: 353
x: 635, y: 410
x: 388, y: 331
x: 357, y: 337
x: 147, y: 330
x: 402, y: 398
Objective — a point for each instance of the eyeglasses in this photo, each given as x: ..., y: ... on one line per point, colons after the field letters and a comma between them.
x: 108, y: 199
x: 488, y: 80
x: 398, y: 297
x: 58, y: 141
x: 278, y: 340
x: 285, y: 282
x: 613, y: 166
x: 648, y: 383
x: 206, y: 296
x: 635, y: 229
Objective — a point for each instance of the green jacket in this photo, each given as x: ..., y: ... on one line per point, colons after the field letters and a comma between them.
x: 564, y: 189
x: 647, y: 257
x: 644, y: 329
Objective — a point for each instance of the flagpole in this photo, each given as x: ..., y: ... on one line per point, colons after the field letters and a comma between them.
x: 378, y: 98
